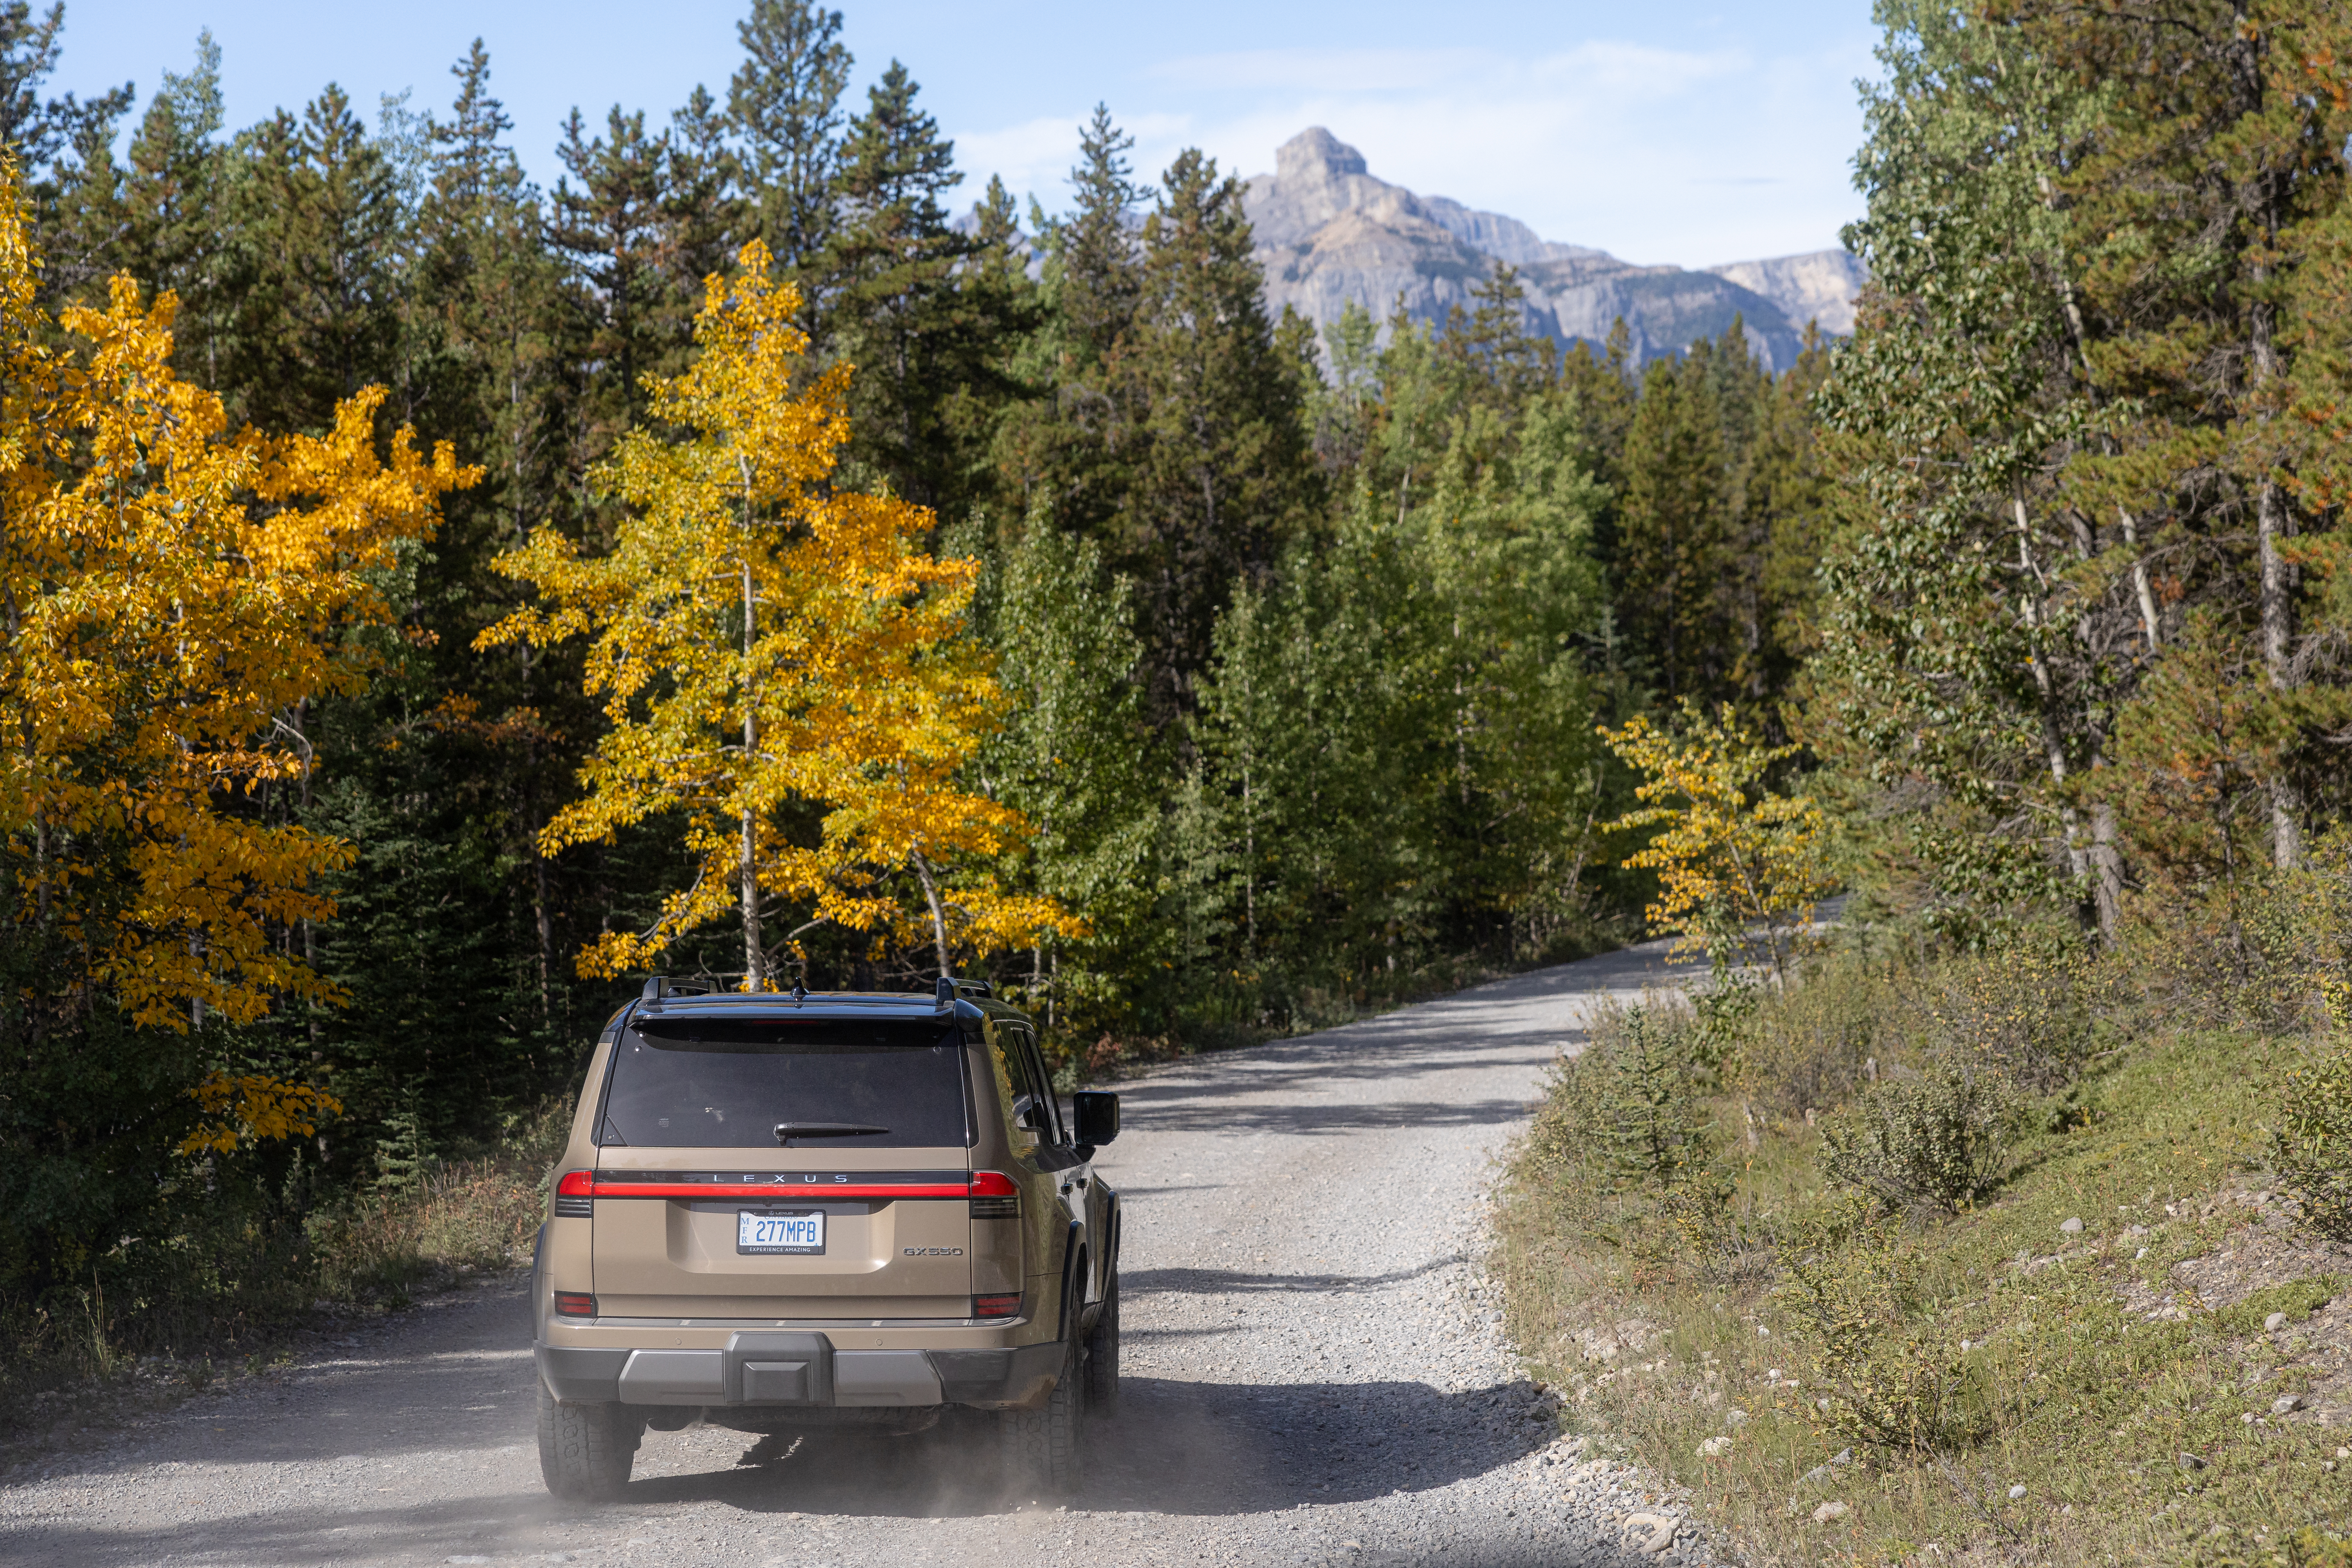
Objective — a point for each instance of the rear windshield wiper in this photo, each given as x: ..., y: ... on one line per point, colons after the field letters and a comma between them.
x: 787, y: 1130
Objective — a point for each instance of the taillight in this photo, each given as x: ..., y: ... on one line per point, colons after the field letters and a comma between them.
x: 994, y: 1196
x: 573, y: 1195
x: 580, y: 1304
x: 996, y: 1306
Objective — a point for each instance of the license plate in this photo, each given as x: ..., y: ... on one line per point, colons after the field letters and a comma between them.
x: 802, y: 1231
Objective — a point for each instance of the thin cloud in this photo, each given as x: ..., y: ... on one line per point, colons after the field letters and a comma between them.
x: 1034, y: 158
x: 1619, y: 69
x: 1582, y: 145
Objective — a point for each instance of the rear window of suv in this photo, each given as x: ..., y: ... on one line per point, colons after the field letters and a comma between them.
x: 833, y: 1083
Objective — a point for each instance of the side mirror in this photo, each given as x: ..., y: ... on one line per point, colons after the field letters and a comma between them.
x: 1095, y: 1113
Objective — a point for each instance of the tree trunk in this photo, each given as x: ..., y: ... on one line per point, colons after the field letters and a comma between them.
x: 2107, y: 873
x: 543, y: 921
x: 2148, y: 620
x: 938, y: 914
x: 2053, y: 737
x: 2278, y: 647
x: 754, y: 954
x: 2276, y: 587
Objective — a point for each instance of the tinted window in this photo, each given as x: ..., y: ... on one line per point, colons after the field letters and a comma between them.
x: 1013, y: 1084
x: 1045, y: 1082
x: 726, y: 1083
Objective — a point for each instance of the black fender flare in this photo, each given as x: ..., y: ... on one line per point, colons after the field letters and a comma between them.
x: 1075, y: 1261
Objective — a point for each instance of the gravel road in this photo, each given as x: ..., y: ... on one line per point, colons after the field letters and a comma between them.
x: 1313, y: 1373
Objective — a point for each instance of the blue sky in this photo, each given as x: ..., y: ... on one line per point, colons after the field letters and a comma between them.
x: 1672, y: 133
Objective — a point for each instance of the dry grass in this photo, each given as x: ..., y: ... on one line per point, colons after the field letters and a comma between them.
x: 237, y: 1281
x: 2080, y: 1365
x: 381, y: 1246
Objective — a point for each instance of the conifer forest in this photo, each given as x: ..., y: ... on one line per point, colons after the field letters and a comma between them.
x: 436, y: 601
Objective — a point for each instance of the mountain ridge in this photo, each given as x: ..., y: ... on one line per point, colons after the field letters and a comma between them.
x: 1329, y: 233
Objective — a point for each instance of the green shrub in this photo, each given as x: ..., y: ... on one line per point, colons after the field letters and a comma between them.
x: 2306, y: 1548
x: 1812, y: 1045
x: 1720, y: 1238
x: 2298, y: 1299
x: 1939, y: 1141
x: 1652, y: 1128
x: 1567, y: 1121
x: 2028, y: 1013
x: 2311, y: 1144
x: 1851, y: 1285
x: 1630, y: 1107
x: 1627, y: 1122
x: 1723, y: 1019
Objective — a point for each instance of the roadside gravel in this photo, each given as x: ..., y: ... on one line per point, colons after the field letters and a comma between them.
x: 1315, y: 1373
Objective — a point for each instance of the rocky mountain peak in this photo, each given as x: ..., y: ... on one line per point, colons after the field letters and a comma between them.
x: 1315, y: 155
x: 1330, y: 234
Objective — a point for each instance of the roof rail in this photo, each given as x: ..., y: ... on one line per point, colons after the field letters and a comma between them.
x: 948, y: 987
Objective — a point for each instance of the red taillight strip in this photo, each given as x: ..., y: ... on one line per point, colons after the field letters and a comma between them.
x: 983, y: 1183
x: 769, y: 1191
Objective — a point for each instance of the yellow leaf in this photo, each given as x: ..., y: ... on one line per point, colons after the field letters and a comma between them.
x: 763, y: 638
x: 177, y: 589
x: 1736, y: 862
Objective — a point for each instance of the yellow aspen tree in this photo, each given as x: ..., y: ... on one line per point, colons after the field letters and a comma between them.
x: 171, y: 591
x: 760, y: 639
x: 1733, y: 858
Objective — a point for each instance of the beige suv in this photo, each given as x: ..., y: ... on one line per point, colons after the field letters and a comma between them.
x: 780, y: 1212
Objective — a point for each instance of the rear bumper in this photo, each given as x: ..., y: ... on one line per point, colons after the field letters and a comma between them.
x: 762, y: 1369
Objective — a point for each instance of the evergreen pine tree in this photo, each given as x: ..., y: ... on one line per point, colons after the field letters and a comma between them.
x: 1741, y: 390
x: 494, y: 295
x: 626, y: 318
x: 925, y: 311
x: 784, y: 106
x: 706, y: 212
x: 64, y: 150
x: 320, y: 228
x: 1604, y: 387
x: 1069, y: 452
x: 1097, y: 260
x: 1787, y: 485
x: 39, y: 131
x: 2221, y: 137
x: 1223, y: 478
x: 1672, y: 545
x: 161, y: 217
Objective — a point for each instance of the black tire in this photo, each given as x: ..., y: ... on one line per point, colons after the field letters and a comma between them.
x: 1102, y: 1354
x: 585, y: 1450
x: 1042, y: 1445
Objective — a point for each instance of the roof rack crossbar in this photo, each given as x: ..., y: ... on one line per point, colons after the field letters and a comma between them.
x: 662, y: 985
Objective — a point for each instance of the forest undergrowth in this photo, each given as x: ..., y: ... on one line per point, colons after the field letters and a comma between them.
x: 2019, y: 1256
x: 242, y: 1281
